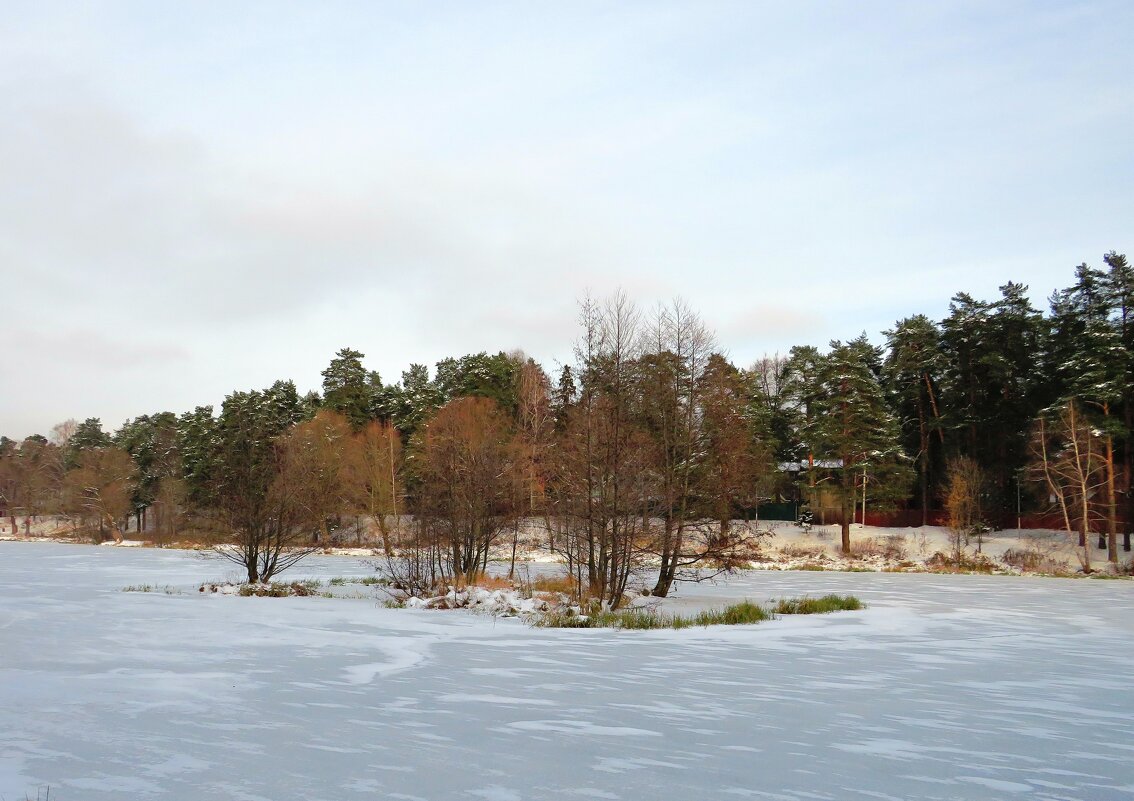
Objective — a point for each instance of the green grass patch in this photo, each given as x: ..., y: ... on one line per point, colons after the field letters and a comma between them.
x: 646, y: 619
x: 817, y: 606
x: 737, y: 614
x: 339, y: 581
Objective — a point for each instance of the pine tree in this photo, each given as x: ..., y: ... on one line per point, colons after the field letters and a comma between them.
x: 151, y: 441
x: 414, y: 400
x: 1119, y: 286
x: 913, y: 370
x: 87, y: 435
x: 350, y: 389
x: 801, y: 388
x: 479, y: 375
x: 564, y: 397
x: 195, y: 441
x: 771, y: 412
x: 994, y: 382
x: 852, y: 429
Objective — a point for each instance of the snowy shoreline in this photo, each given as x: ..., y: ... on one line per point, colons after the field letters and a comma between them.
x: 877, y: 549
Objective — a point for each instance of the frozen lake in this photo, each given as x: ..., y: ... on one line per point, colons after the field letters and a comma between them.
x: 946, y: 687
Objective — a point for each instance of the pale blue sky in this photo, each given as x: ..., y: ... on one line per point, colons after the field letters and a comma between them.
x: 202, y: 197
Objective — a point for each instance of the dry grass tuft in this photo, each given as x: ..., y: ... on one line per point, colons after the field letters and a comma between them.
x: 562, y: 584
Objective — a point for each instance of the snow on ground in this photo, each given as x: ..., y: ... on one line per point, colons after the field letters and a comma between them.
x: 946, y: 687
x: 789, y: 547
x: 920, y: 543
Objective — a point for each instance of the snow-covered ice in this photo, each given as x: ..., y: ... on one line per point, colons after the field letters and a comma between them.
x: 946, y: 687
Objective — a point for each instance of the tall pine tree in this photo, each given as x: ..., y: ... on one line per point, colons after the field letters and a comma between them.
x: 853, y: 431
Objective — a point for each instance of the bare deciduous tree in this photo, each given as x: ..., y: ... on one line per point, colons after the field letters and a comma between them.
x: 314, y: 462
x: 1067, y: 454
x: 378, y: 478
x: 603, y: 478
x: 466, y: 468
x: 964, y: 503
x: 98, y: 490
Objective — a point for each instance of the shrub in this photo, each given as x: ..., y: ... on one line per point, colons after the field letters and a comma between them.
x: 1032, y: 560
x: 795, y: 551
x: 902, y: 567
x: 960, y: 563
x: 892, y: 546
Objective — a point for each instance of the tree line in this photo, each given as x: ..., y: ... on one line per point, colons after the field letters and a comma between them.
x: 644, y: 449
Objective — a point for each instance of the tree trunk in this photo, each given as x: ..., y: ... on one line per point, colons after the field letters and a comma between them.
x: 848, y: 513
x: 1111, y: 503
x: 114, y: 530
x: 923, y: 457
x: 515, y: 542
x: 665, y: 572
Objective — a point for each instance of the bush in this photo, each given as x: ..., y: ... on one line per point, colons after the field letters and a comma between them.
x: 1032, y: 560
x: 817, y: 606
x: 961, y: 563
x: 892, y: 547
x: 902, y: 567
x: 795, y: 551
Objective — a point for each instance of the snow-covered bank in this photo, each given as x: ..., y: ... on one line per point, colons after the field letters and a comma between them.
x: 786, y: 546
x: 946, y: 687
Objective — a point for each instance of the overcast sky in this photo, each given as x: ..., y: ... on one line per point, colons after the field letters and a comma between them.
x: 197, y: 198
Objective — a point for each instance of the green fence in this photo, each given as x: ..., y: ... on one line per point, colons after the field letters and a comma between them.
x: 778, y: 511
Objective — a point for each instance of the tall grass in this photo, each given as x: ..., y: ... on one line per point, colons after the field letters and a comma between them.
x: 817, y: 606
x: 737, y: 614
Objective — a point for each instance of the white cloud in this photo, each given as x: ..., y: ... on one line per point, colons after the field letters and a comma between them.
x: 226, y: 197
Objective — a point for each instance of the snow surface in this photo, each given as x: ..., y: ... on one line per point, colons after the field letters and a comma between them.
x: 946, y: 687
